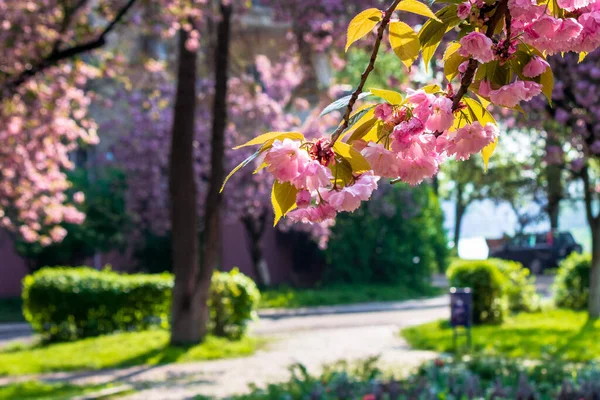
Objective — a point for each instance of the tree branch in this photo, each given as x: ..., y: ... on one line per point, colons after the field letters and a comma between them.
x: 363, y: 78
x: 11, y: 85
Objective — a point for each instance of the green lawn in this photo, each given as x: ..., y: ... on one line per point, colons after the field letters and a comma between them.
x: 46, y: 391
x: 118, y: 350
x: 558, y: 334
x: 286, y: 297
x: 10, y: 310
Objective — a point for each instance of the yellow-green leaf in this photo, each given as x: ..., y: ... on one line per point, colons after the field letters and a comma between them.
x: 405, y: 42
x: 362, y: 129
x: 390, y: 96
x: 433, y: 31
x: 265, y: 137
x: 362, y: 24
x: 416, y: 7
x: 283, y: 198
x: 240, y: 166
x: 357, y: 161
x: 547, y: 82
x: 487, y: 152
x: 582, y: 56
x: 483, y: 116
x: 432, y: 89
x: 452, y: 60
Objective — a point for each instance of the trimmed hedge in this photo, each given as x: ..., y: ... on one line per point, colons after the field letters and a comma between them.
x: 65, y: 303
x: 572, y: 284
x: 519, y: 287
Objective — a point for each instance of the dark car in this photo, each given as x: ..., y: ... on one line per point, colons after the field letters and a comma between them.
x: 538, y: 251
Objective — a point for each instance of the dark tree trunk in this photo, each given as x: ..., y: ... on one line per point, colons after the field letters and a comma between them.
x: 554, y: 191
x: 309, y: 87
x: 212, y: 219
x: 255, y: 228
x: 459, y: 212
x: 186, y: 310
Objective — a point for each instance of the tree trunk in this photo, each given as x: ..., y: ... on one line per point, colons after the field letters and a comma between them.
x: 553, y: 175
x: 185, y: 311
x: 459, y: 212
x: 594, y: 301
x: 212, y: 219
x: 255, y: 229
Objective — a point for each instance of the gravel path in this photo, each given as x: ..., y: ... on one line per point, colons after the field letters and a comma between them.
x: 312, y: 340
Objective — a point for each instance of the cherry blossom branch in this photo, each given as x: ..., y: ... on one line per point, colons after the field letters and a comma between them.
x: 469, y: 74
x: 11, y: 85
x: 363, y: 78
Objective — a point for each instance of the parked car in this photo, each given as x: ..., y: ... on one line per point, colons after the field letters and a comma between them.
x: 538, y: 251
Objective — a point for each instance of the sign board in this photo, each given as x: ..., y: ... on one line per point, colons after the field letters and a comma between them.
x: 461, y: 307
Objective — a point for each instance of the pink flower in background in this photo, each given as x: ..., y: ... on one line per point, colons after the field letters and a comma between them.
x: 478, y: 46
x: 58, y: 233
x: 441, y: 115
x: 463, y: 10
x: 303, y: 199
x: 79, y: 197
x: 286, y: 160
x: 535, y: 67
x: 382, y: 161
x: 320, y: 213
x: 29, y: 235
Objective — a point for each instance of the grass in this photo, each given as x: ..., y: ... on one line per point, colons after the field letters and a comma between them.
x: 10, y: 310
x: 118, y: 350
x: 557, y: 334
x: 286, y: 297
x: 46, y: 391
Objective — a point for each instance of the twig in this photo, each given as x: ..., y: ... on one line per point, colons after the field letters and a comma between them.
x: 363, y: 78
x: 56, y: 55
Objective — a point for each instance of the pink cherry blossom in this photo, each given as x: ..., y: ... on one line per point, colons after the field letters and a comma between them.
x: 510, y: 95
x: 350, y: 197
x: 313, y: 177
x: 485, y: 87
x: 441, y: 117
x: 422, y: 102
x: 478, y: 46
x: 286, y: 160
x: 535, y: 67
x: 414, y: 171
x: 303, y: 199
x: 469, y: 139
x: 79, y: 197
x: 464, y: 9
x: 382, y: 161
x: 317, y: 214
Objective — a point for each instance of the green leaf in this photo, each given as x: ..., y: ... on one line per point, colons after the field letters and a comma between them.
x: 356, y: 124
x: 362, y: 130
x: 283, y: 198
x: 390, y: 96
x: 341, y: 103
x: 433, y: 31
x: 271, y: 136
x: 432, y: 89
x: 240, y: 166
x: 362, y: 24
x: 405, y: 42
x: 357, y: 161
x: 416, y: 7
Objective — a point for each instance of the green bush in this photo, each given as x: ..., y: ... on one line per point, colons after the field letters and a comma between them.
x: 519, y: 287
x: 397, y: 238
x: 572, y: 284
x: 71, y: 303
x: 65, y: 303
x: 486, y: 281
x: 234, y: 298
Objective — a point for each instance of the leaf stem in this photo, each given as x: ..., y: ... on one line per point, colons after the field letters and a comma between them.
x: 363, y: 79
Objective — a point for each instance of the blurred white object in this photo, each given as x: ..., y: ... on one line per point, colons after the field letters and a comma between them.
x: 473, y: 248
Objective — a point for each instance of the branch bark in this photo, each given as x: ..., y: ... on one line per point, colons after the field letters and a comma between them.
x: 12, y: 84
x: 363, y: 79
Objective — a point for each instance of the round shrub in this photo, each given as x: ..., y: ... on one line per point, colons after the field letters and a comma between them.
x: 69, y: 303
x: 398, y: 237
x: 233, y: 301
x: 572, y: 284
x: 486, y: 282
x: 519, y: 286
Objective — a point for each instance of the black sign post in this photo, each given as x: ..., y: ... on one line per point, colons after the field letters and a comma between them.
x: 461, y: 312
